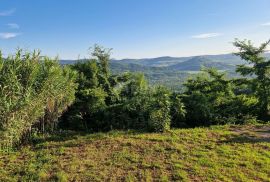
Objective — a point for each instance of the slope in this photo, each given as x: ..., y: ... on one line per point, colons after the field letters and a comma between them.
x: 224, y: 153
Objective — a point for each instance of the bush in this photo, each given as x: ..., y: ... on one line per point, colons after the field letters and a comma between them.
x: 178, y: 112
x: 160, y: 118
x: 34, y: 90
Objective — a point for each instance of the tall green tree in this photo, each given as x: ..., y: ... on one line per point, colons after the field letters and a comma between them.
x: 205, y: 95
x: 94, y: 94
x: 258, y: 67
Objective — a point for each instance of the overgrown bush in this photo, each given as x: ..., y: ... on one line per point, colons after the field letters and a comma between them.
x: 125, y: 101
x: 211, y: 98
x: 160, y: 118
x: 34, y: 90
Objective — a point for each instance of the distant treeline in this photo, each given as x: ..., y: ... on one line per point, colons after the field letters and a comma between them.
x: 39, y: 95
x: 172, y: 72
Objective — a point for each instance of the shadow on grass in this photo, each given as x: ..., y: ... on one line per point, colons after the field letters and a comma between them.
x: 56, y: 137
x: 76, y: 139
x: 247, y: 139
x: 249, y: 134
x: 263, y: 131
x: 263, y: 136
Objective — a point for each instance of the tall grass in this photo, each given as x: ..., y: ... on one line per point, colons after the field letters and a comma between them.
x: 33, y: 90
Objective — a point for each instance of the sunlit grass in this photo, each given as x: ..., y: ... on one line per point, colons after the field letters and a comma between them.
x: 201, y: 154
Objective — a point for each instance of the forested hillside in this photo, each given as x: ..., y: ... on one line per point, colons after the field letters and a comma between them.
x: 173, y: 71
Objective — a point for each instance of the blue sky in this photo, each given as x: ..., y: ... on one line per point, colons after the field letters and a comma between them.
x: 133, y: 28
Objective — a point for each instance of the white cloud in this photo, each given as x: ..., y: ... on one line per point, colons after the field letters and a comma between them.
x: 8, y: 12
x: 13, y: 25
x: 266, y: 24
x: 8, y: 35
x: 206, y: 35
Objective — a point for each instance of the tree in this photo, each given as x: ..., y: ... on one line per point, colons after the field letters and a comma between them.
x: 258, y: 67
x: 132, y: 109
x: 102, y: 55
x: 94, y: 94
x: 206, y: 96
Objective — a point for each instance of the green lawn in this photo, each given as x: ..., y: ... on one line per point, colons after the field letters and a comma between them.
x: 227, y: 153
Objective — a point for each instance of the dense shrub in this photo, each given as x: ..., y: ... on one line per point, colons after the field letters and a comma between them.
x: 211, y: 98
x: 125, y: 101
x: 160, y: 118
x: 34, y: 90
x: 93, y: 95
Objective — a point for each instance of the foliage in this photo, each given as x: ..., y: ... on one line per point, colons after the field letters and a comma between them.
x: 124, y: 101
x: 34, y: 90
x: 211, y: 99
x: 258, y: 66
x: 93, y: 95
x: 160, y: 118
x: 178, y: 111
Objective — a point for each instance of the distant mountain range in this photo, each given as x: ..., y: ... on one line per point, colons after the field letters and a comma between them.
x: 173, y: 71
x: 170, y: 61
x: 193, y: 63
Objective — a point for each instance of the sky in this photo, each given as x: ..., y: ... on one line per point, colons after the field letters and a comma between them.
x: 133, y: 28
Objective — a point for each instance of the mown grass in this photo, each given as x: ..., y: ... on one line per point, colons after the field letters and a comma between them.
x: 224, y: 153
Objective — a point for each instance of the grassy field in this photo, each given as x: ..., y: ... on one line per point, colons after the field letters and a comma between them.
x: 227, y: 153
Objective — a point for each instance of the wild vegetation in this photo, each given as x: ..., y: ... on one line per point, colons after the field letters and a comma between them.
x: 126, y: 101
x: 36, y: 91
x: 39, y: 97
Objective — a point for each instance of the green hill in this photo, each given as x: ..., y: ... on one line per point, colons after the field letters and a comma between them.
x: 167, y: 61
x: 225, y: 153
x: 196, y: 63
x: 173, y: 71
